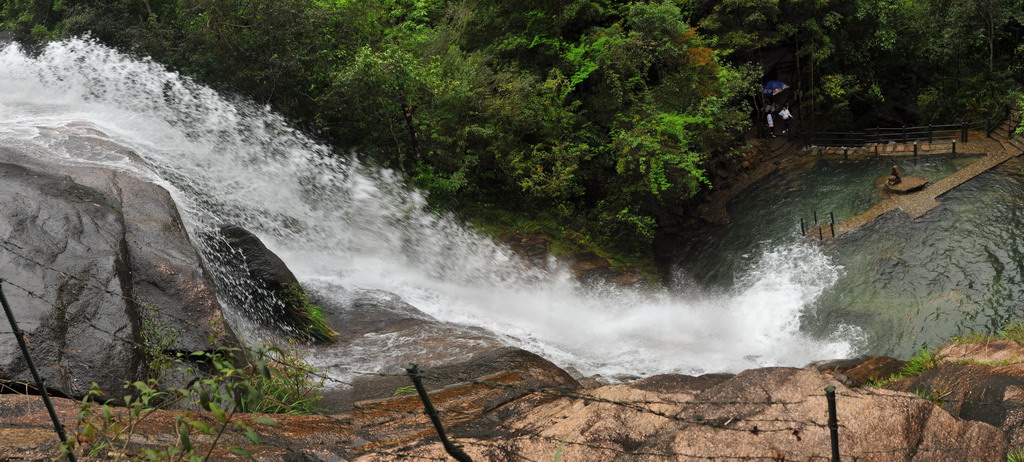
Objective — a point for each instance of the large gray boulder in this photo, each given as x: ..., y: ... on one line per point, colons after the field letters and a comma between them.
x: 100, y: 273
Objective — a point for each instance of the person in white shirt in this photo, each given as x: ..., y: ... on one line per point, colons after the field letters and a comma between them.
x: 786, y: 115
x: 771, y: 125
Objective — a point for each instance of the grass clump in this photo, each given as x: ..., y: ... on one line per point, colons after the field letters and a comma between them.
x: 310, y: 320
x: 916, y: 365
x: 1013, y: 331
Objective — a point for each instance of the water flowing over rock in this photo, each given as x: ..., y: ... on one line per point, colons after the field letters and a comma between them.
x: 262, y: 283
x: 101, y: 257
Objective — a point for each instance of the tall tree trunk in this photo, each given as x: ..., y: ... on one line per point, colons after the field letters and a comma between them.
x: 410, y: 126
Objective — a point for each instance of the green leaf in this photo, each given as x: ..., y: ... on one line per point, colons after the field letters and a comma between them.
x: 253, y: 436
x: 218, y: 413
x: 201, y: 426
x: 265, y: 421
x: 186, y: 442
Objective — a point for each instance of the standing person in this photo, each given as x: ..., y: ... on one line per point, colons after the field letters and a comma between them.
x: 786, y: 115
x: 771, y: 124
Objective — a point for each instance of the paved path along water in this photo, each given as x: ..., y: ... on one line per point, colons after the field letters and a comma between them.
x: 916, y: 204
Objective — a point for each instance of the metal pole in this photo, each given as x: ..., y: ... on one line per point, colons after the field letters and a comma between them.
x: 802, y: 232
x: 19, y: 335
x: 832, y: 223
x: 915, y: 149
x: 453, y: 450
x: 821, y: 233
x: 815, y: 217
x: 833, y: 422
x: 876, y: 149
x: 954, y: 147
x: 963, y: 132
x: 846, y: 152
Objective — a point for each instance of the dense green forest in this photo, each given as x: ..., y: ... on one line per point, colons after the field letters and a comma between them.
x: 595, y: 121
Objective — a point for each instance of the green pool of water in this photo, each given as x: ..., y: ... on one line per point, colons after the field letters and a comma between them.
x: 905, y: 283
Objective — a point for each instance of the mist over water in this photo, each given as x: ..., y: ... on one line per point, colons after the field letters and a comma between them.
x: 336, y: 221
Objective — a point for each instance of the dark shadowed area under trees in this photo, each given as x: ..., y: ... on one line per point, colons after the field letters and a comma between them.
x: 593, y: 121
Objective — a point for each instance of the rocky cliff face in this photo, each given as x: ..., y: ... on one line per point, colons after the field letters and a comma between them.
x: 91, y: 258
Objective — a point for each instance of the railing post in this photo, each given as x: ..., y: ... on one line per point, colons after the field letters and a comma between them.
x: 929, y: 133
x: 954, y: 147
x: 832, y: 223
x: 815, y: 217
x: 451, y: 449
x: 846, y: 152
x: 802, y: 232
x: 876, y: 149
x: 20, y: 336
x: 821, y: 233
x: 833, y: 421
x: 915, y: 149
x: 963, y: 132
x: 904, y: 133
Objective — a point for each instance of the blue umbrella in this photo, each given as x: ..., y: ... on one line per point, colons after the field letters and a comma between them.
x: 773, y: 87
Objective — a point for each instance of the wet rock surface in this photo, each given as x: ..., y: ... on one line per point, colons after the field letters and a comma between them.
x: 90, y: 256
x: 260, y: 281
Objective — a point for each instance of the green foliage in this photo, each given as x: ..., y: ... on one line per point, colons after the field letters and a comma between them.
x: 929, y: 396
x: 402, y: 391
x: 917, y: 364
x: 1015, y: 455
x: 157, y: 338
x: 311, y: 317
x: 229, y: 386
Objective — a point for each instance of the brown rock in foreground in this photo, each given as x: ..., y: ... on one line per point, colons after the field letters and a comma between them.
x: 536, y: 412
x: 26, y: 434
x: 977, y: 381
x: 772, y: 413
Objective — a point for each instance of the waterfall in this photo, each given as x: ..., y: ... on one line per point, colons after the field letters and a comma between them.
x: 337, y: 221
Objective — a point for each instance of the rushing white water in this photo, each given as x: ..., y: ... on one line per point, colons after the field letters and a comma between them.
x: 339, y: 222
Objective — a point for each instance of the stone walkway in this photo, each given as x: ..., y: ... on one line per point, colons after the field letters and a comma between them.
x: 915, y: 205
